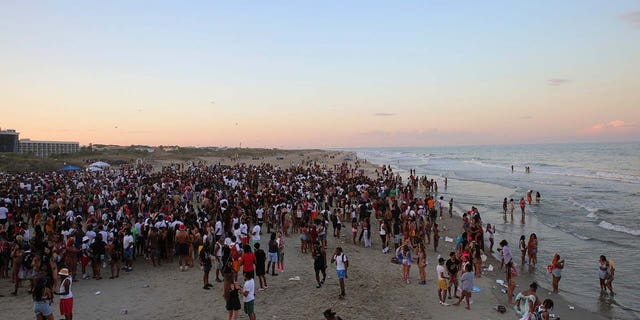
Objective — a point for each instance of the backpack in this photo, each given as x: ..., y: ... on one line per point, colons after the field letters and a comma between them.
x: 345, y: 261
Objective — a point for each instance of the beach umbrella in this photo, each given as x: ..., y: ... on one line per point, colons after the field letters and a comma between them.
x: 100, y: 164
x: 347, y: 159
x: 70, y: 168
x: 94, y: 169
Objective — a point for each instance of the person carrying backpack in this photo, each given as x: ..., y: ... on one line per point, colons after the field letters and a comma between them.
x: 342, y: 264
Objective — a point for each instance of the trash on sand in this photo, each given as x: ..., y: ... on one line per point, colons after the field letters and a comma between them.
x: 490, y: 268
x: 296, y: 278
x: 571, y: 307
x: 98, y: 293
x: 475, y: 289
x: 447, y: 239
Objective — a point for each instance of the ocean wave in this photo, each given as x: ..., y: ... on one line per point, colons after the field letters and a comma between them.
x: 579, y: 236
x: 591, y: 210
x: 614, y: 227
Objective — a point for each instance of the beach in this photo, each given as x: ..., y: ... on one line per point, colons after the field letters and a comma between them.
x: 374, y: 287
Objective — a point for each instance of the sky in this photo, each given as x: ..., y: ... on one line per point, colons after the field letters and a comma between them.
x: 305, y: 74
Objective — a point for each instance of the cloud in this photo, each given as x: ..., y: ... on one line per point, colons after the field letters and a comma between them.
x: 611, y: 125
x: 633, y: 18
x: 557, y: 81
x: 383, y: 114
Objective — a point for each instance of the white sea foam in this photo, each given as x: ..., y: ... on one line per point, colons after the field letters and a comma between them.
x: 614, y: 227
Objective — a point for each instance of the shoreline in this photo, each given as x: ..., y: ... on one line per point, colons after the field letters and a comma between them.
x: 563, y: 307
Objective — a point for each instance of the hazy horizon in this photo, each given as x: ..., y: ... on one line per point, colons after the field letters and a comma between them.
x: 330, y: 75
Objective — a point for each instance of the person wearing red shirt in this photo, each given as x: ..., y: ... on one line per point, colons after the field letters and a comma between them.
x: 248, y: 259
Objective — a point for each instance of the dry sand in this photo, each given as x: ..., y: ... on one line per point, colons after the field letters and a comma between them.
x: 374, y: 287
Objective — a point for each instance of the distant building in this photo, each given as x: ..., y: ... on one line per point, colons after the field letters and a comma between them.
x: 9, y: 141
x: 47, y: 148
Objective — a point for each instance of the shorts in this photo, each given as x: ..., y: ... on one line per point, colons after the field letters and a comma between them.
x: 206, y: 268
x: 155, y: 252
x: 273, y: 256
x: 280, y: 256
x: 341, y: 273
x: 183, y: 249
x: 323, y: 236
x: 128, y: 254
x: 248, y: 307
x: 398, y: 238
x: 84, y: 261
x: 442, y: 284
x: 42, y: 307
x: 66, y: 306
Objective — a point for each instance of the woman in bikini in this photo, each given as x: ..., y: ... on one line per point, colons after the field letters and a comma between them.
x: 522, y: 245
x: 556, y: 271
x: 532, y: 249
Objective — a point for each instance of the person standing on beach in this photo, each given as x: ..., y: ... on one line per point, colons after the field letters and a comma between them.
x: 127, y: 245
x: 233, y: 303
x: 504, y: 206
x: 342, y: 263
x: 605, y: 273
x: 273, y: 255
x: 442, y: 282
x: 467, y: 286
x: 319, y: 263
x: 491, y: 230
x: 261, y: 258
x: 422, y: 263
x: 249, y: 295
x: 526, y: 301
x: 436, y: 237
x: 537, y: 197
x: 205, y: 262
x: 453, y: 265
x: 512, y: 207
x: 532, y: 249
x: 529, y: 196
x: 66, y: 296
x: 556, y: 267
x: 182, y: 246
x: 507, y: 261
x: 522, y: 205
x: 451, y: 208
x: 522, y: 245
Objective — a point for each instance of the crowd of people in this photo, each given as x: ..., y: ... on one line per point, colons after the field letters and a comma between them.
x: 60, y: 228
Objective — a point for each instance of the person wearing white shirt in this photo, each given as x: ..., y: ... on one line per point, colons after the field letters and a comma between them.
x: 260, y: 215
x: 218, y: 229
x: 248, y: 291
x: 255, y: 235
x: 244, y: 233
x: 3, y: 215
x: 342, y: 263
x: 442, y: 282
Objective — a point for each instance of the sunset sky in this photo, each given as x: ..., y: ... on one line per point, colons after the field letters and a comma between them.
x: 298, y: 74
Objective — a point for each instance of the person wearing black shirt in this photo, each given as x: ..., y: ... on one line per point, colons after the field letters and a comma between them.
x: 97, y: 255
x: 453, y: 266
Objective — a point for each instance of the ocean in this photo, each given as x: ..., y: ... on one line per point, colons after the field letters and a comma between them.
x: 590, y: 206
